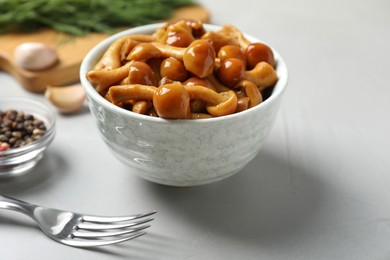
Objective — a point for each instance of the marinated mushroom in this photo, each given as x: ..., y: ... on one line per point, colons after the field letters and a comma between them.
x: 193, y: 81
x: 231, y: 51
x: 196, y: 26
x: 227, y: 35
x: 172, y: 101
x: 263, y: 75
x: 173, y: 69
x: 121, y: 93
x: 142, y: 107
x: 155, y: 65
x: 218, y: 104
x: 242, y: 104
x: 127, y: 46
x: 111, y: 58
x: 104, y: 79
x: 235, y: 36
x: 144, y: 52
x: 215, y: 82
x: 178, y: 34
x: 258, y: 52
x: 227, y: 107
x: 199, y: 58
x: 117, y: 51
x: 198, y: 106
x: 251, y: 91
x: 217, y: 39
x: 140, y: 73
x: 231, y: 71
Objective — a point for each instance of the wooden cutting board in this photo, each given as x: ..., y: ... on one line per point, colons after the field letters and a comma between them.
x: 71, y: 51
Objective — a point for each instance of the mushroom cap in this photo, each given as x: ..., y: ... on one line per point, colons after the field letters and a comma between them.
x: 173, y: 69
x: 199, y: 58
x: 258, y: 52
x: 231, y: 51
x: 231, y: 71
x: 171, y: 101
x: 141, y: 73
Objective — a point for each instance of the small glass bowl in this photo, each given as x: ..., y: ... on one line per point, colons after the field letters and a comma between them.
x: 17, y: 161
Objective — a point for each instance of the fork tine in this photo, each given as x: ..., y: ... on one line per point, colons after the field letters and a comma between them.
x: 96, y: 226
x: 100, y: 242
x: 98, y: 219
x: 103, y: 234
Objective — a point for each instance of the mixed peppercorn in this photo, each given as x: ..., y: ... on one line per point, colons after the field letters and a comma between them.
x: 18, y: 129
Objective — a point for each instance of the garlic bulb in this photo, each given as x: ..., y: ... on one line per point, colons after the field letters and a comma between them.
x: 35, y: 56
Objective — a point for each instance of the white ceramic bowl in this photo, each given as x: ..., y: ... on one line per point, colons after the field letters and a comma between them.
x: 182, y: 152
x: 18, y: 161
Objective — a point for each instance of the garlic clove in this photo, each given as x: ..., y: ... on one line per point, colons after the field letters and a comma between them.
x: 35, y: 56
x: 67, y: 99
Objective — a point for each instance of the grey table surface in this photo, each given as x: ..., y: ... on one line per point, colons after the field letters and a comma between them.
x: 320, y: 188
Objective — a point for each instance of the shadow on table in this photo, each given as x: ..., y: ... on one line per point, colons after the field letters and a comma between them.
x: 40, y: 176
x: 269, y: 200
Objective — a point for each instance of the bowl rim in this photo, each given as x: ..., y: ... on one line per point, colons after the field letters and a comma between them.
x: 46, y: 138
x: 95, y: 53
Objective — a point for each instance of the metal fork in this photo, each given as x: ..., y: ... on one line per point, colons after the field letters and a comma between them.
x: 81, y: 230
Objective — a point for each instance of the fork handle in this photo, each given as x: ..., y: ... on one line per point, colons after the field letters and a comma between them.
x: 17, y: 205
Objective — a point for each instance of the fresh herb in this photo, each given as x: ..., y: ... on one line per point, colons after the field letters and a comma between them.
x: 78, y: 17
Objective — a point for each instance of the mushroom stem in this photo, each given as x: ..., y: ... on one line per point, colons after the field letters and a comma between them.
x: 170, y: 51
x: 144, y: 52
x: 127, y: 46
x: 122, y: 93
x: 218, y: 104
x: 263, y: 75
x: 226, y: 107
x: 227, y: 35
x: 103, y: 79
x: 113, y: 56
x: 142, y: 107
x: 204, y: 94
x: 251, y: 91
x: 235, y: 36
x: 218, y: 85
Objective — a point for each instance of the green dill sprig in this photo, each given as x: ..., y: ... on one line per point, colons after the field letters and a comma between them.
x: 79, y: 17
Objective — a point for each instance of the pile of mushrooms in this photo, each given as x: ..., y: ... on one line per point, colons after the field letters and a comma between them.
x: 183, y: 72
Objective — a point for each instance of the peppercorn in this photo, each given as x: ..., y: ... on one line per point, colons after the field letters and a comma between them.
x: 18, y: 129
